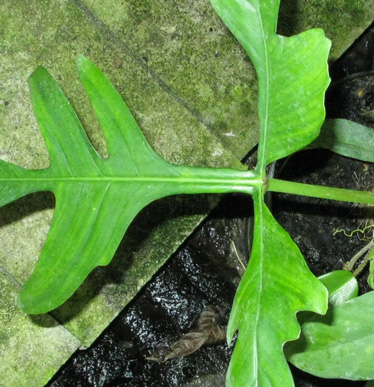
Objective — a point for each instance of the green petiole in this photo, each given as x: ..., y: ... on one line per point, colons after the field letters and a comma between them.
x: 322, y: 192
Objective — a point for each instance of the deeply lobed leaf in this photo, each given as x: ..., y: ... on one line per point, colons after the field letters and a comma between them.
x: 293, y: 77
x: 96, y: 198
x: 276, y: 284
x: 292, y: 74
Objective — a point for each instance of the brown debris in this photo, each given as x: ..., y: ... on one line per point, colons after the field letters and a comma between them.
x: 207, y: 332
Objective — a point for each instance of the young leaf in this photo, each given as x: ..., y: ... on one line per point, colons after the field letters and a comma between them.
x: 339, y: 344
x: 96, y: 198
x: 276, y: 284
x: 341, y: 285
x: 347, y: 138
x: 292, y: 74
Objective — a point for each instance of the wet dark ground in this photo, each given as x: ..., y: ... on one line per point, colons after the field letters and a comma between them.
x: 205, y: 270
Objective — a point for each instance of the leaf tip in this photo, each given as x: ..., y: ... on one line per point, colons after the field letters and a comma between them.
x: 81, y: 60
x: 322, y: 300
x: 24, y: 305
x: 39, y: 72
x: 83, y: 64
x: 29, y: 305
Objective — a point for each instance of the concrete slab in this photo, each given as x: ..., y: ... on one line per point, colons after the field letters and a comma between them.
x: 193, y: 92
x: 188, y: 47
x: 31, y: 348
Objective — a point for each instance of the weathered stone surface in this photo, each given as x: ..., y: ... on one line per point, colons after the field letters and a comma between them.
x: 187, y: 46
x: 342, y: 20
x: 31, y: 348
x: 189, y: 49
x: 193, y: 91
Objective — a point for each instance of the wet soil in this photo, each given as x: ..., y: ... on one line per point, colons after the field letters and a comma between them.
x: 206, y: 270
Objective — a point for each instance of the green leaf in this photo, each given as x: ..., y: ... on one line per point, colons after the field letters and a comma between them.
x: 347, y: 138
x: 341, y: 285
x: 370, y: 279
x: 95, y: 202
x: 276, y: 284
x: 292, y: 74
x: 96, y: 198
x: 339, y: 344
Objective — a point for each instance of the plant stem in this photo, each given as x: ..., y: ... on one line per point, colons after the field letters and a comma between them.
x: 369, y: 256
x: 318, y: 191
x: 357, y: 256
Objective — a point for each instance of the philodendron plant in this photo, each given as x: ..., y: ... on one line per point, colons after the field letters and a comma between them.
x: 97, y: 198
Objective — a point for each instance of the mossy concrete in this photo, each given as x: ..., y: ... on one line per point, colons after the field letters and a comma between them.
x: 342, y: 20
x: 191, y: 88
x: 31, y: 348
x: 187, y: 46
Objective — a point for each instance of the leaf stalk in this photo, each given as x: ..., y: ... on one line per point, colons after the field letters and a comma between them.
x: 321, y: 192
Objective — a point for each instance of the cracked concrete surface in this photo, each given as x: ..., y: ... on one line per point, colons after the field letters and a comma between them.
x: 193, y: 92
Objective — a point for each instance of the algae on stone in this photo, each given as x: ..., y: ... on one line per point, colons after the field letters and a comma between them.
x: 31, y: 348
x: 192, y: 90
x: 342, y: 20
x: 190, y: 51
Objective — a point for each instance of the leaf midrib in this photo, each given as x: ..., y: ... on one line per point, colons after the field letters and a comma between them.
x: 260, y: 282
x: 261, y: 164
x: 245, y: 182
